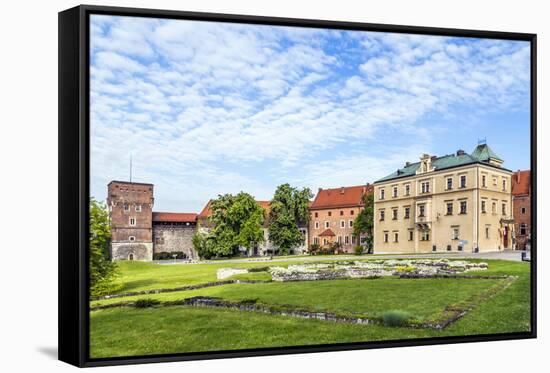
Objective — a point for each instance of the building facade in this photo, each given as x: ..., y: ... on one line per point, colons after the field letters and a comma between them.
x: 137, y: 232
x: 332, y: 215
x: 457, y: 202
x: 173, y: 232
x: 521, y: 200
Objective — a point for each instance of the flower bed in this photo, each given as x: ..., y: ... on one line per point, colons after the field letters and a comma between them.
x: 373, y: 269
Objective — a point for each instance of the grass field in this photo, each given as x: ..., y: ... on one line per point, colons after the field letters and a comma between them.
x: 160, y: 330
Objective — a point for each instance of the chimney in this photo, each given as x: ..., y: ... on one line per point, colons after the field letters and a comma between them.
x: 518, y: 176
x: 342, y: 189
x: 459, y: 152
x: 320, y: 189
x: 407, y: 164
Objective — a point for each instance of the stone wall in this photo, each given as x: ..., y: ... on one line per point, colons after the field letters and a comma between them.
x: 169, y: 238
x: 132, y: 251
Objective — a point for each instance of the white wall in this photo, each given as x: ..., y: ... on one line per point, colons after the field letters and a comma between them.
x: 28, y: 159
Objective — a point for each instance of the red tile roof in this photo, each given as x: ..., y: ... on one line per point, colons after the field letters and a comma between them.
x: 340, y: 197
x: 178, y: 217
x: 521, y: 183
x: 327, y: 232
x: 206, y: 211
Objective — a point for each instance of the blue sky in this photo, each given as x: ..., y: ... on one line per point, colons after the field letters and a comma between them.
x: 210, y: 108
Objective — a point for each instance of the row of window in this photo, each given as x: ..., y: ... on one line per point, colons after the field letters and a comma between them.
x: 344, y: 240
x: 425, y: 186
x: 329, y: 213
x: 449, y: 210
x: 342, y: 224
x: 425, y: 234
x: 126, y: 207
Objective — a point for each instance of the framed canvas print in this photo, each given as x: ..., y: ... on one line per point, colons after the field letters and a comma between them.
x: 234, y: 186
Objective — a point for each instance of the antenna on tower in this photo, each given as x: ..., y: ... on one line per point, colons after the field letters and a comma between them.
x: 130, y: 167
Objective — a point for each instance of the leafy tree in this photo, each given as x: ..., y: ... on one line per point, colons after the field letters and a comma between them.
x: 103, y: 271
x: 289, y: 208
x: 237, y: 222
x: 364, y: 222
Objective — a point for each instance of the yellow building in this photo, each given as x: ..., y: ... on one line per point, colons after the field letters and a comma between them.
x: 457, y: 202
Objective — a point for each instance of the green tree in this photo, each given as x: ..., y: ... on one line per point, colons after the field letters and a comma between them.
x: 364, y: 222
x: 103, y: 271
x: 288, y: 209
x: 237, y: 222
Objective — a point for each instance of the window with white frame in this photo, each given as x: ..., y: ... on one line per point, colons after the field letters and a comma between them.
x: 456, y: 233
x: 504, y: 209
x: 350, y: 224
x: 339, y: 239
x: 421, y: 211
x: 395, y: 237
x: 342, y: 223
x: 382, y: 193
x: 138, y: 208
x: 126, y: 207
x: 132, y: 222
x: 327, y: 224
x: 483, y: 207
x: 425, y: 236
x: 132, y: 238
x: 463, y: 181
x: 394, y: 192
x: 449, y: 183
x: 449, y: 208
x: 408, y: 190
x: 463, y: 207
x: 425, y: 187
x: 504, y: 185
x: 346, y: 239
x: 407, y: 212
x: 394, y: 214
x: 382, y: 215
x: 484, y: 181
x: 523, y: 229
x: 386, y: 236
x: 316, y: 225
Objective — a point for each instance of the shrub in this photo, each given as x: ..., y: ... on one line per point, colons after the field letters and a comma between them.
x: 165, y: 255
x: 396, y: 317
x: 258, y: 269
x: 145, y: 303
x: 358, y: 250
x: 314, y: 248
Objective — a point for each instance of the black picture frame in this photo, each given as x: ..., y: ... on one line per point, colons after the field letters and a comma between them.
x: 74, y: 139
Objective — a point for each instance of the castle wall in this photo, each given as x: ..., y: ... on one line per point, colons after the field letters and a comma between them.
x: 170, y: 238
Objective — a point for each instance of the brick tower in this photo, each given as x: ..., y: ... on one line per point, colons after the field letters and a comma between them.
x: 130, y: 211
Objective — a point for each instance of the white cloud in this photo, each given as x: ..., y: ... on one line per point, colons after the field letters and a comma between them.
x: 208, y: 108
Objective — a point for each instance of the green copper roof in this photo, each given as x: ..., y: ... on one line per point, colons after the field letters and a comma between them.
x: 481, y: 154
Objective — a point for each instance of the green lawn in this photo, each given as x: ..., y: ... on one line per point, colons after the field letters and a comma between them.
x: 130, y: 331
